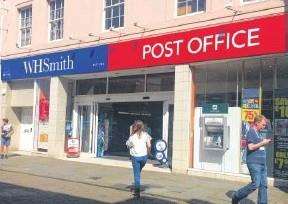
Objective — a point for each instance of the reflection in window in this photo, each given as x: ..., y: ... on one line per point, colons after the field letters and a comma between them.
x: 160, y: 82
x: 217, y: 83
x: 91, y: 86
x: 190, y: 6
x: 126, y: 84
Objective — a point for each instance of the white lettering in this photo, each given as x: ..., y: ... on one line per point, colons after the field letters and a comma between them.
x: 218, y: 40
x: 251, y: 37
x: 206, y: 42
x: 234, y: 36
x: 199, y: 47
x: 27, y: 67
x: 146, y: 50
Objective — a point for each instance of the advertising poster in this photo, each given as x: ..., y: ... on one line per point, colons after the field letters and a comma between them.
x: 250, y: 107
x: 281, y: 134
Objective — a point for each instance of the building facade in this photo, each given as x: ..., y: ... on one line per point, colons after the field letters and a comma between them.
x: 195, y: 71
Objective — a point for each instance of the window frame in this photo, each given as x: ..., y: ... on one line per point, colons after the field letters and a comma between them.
x: 111, y: 17
x: 19, y: 42
x: 55, y: 20
x: 192, y: 13
x: 251, y: 2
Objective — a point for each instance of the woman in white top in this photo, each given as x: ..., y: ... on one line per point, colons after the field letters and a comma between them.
x: 6, y: 132
x: 139, y: 144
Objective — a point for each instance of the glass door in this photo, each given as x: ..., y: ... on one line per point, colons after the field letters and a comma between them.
x: 84, y: 127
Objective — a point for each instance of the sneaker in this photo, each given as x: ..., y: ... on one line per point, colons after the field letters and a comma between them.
x: 6, y: 156
x: 234, y: 200
x: 137, y: 193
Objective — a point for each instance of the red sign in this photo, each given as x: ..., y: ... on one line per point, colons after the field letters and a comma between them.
x: 43, y: 107
x: 240, y: 39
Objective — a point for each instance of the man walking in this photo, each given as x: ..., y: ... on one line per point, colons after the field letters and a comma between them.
x: 256, y: 163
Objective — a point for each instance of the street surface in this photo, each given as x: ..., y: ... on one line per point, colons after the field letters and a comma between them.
x: 37, y: 180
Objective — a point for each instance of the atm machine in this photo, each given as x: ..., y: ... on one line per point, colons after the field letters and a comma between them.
x: 217, y: 140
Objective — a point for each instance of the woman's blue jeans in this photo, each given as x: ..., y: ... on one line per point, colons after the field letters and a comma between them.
x: 138, y: 163
x: 258, y: 173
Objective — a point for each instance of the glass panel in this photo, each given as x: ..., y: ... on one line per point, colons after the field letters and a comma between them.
x: 201, y: 5
x: 84, y: 113
x: 181, y: 8
x: 121, y: 21
x: 107, y: 23
x: 282, y: 72
x: 115, y: 2
x: 252, y: 73
x: 115, y: 11
x: 108, y: 2
x: 200, y: 78
x: 122, y: 9
x: 115, y: 22
x: 108, y: 13
x: 127, y: 84
x: 216, y: 83
x: 160, y: 82
x: 91, y: 86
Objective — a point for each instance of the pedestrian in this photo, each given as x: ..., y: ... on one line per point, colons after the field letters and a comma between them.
x: 139, y: 144
x: 256, y: 163
x: 6, y: 132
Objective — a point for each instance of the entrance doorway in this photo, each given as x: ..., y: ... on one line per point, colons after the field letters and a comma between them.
x: 115, y: 120
x: 26, y: 130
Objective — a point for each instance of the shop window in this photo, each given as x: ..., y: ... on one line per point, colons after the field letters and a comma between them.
x: 160, y: 82
x: 252, y: 73
x: 114, y: 14
x: 25, y: 26
x: 91, y: 86
x: 282, y: 73
x: 217, y: 83
x: 185, y: 7
x: 126, y: 84
x: 56, y: 19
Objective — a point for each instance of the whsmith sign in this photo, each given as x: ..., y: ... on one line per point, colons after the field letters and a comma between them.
x: 227, y: 41
x: 78, y: 61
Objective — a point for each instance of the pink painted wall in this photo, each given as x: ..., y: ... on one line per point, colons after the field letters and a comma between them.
x: 87, y: 16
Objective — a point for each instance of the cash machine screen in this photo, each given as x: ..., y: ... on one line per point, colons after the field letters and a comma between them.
x: 213, y: 133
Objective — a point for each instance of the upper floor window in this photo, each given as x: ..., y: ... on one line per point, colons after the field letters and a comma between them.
x: 25, y: 26
x: 56, y: 19
x: 248, y: 1
x: 185, y: 7
x: 114, y: 14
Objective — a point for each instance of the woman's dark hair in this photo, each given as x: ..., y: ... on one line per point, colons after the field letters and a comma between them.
x: 138, y: 127
x: 5, y: 120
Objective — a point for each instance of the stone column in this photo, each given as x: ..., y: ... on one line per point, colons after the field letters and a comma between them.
x: 182, y: 119
x: 57, y: 116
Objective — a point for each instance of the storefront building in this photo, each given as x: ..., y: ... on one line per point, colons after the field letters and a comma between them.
x: 195, y: 85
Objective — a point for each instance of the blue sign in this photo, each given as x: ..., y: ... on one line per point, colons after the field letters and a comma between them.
x: 78, y: 61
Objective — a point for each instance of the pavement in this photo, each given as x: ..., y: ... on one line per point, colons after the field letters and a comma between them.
x: 36, y: 179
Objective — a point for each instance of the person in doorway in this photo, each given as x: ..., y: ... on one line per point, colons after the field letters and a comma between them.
x: 139, y: 144
x: 6, y: 132
x: 256, y: 163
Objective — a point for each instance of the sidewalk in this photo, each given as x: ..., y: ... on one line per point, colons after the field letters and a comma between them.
x: 177, y: 188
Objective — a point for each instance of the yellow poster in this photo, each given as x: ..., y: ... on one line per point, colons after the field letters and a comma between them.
x: 249, y: 114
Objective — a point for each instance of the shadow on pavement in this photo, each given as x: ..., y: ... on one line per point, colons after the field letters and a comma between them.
x: 13, y: 194
x: 245, y: 200
x: 281, y: 185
